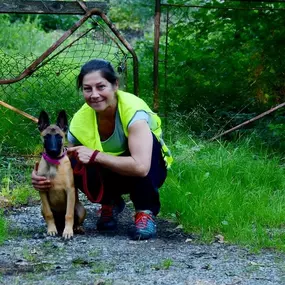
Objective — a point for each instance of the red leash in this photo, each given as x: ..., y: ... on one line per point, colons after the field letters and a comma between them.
x: 80, y: 169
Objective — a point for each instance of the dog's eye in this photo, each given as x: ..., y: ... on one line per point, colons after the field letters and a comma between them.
x: 58, y: 137
x: 46, y: 137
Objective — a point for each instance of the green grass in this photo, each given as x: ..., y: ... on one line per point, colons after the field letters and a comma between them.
x: 15, y: 187
x: 215, y: 188
x: 15, y: 181
x: 3, y: 228
x: 164, y: 265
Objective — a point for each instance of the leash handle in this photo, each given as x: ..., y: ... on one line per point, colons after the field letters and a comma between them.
x: 93, y: 157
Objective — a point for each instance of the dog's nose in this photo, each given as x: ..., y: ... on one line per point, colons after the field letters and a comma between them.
x: 54, y: 152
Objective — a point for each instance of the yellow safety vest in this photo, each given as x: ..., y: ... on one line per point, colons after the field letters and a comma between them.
x: 84, y: 123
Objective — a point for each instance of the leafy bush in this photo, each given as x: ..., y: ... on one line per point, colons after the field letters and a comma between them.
x: 23, y: 38
x: 46, y: 22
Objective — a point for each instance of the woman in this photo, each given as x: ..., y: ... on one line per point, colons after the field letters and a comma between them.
x: 117, y: 139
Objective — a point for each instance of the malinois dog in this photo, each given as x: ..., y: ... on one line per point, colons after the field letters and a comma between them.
x: 61, y: 208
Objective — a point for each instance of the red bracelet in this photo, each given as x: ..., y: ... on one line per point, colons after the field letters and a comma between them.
x: 93, y: 157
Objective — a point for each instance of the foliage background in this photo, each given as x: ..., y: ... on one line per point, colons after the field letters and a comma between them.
x: 218, y: 67
x: 229, y: 62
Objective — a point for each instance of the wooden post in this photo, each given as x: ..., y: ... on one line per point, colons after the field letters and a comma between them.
x: 19, y: 111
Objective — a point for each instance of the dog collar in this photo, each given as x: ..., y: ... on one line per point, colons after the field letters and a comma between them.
x: 54, y: 160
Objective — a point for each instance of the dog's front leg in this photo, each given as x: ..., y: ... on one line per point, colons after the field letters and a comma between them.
x: 48, y: 215
x: 69, y: 216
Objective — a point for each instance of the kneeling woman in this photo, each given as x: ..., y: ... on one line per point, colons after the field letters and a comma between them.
x: 118, y: 141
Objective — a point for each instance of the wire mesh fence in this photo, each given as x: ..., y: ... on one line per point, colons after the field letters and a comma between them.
x: 52, y: 84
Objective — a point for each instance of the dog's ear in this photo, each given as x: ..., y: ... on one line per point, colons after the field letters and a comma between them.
x: 62, y: 120
x: 43, y: 122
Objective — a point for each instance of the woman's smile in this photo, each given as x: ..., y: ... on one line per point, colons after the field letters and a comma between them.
x: 96, y: 101
x: 98, y: 92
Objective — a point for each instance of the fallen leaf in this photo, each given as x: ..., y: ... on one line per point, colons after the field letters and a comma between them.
x: 219, y: 239
x: 179, y: 227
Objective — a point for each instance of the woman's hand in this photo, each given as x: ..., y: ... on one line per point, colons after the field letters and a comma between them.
x: 81, y: 153
x: 40, y: 183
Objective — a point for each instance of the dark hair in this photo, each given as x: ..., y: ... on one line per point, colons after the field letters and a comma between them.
x: 106, y: 69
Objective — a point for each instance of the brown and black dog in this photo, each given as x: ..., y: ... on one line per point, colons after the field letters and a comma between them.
x: 61, y: 208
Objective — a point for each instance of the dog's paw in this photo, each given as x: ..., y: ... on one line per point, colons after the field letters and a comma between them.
x: 67, y: 233
x: 79, y: 230
x: 52, y: 231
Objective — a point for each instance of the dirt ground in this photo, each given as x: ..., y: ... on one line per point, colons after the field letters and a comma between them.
x: 31, y: 257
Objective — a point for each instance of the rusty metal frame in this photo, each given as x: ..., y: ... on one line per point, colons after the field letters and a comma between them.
x: 88, y: 14
x: 167, y: 107
x: 156, y: 55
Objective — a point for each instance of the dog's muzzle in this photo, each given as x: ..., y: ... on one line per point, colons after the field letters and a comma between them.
x: 53, y: 145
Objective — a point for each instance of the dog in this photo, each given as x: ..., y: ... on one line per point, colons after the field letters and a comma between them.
x: 61, y: 208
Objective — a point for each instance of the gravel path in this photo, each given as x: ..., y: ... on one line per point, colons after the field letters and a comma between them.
x: 30, y: 257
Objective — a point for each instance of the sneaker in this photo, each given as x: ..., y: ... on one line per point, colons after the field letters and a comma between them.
x: 109, y: 216
x: 145, y: 226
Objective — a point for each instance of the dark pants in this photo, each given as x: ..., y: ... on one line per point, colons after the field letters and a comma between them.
x: 143, y: 190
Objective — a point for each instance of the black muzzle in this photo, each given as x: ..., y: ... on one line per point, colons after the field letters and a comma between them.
x: 53, y: 145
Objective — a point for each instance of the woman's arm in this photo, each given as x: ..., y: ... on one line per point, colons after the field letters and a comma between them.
x: 140, y: 143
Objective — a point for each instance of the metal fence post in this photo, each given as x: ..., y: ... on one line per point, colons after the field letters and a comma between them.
x: 156, y: 55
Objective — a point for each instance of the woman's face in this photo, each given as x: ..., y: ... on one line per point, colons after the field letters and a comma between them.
x: 98, y: 92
